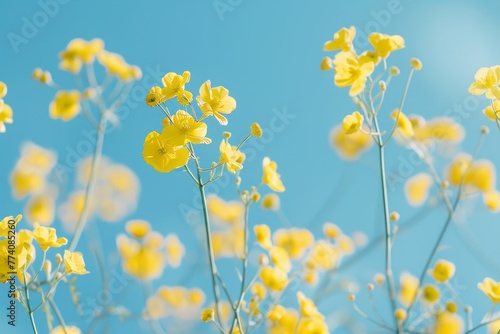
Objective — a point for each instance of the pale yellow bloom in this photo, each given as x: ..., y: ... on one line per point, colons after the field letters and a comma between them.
x: 231, y: 156
x: 271, y: 177
x: 352, y: 123
x: 36, y: 158
x: 352, y: 71
x: 385, y: 44
x: 40, y: 209
x: 175, y: 250
x: 279, y: 257
x: 230, y: 212
x: 448, y: 323
x: 491, y: 200
x: 215, y: 101
x: 431, y: 293
x: 66, y: 330
x: 342, y: 40
x: 295, y: 241
x: 66, y: 105
x: 273, y: 278
x: 283, y: 321
x: 26, y: 182
x: 331, y: 230
x: 403, y: 124
x: 259, y: 290
x: 490, y: 289
x: 487, y: 81
x: 417, y: 188
x: 443, y: 270
x: 494, y: 327
x: 416, y: 64
x: 351, y: 146
x: 138, y: 228
x: 326, y: 64
x: 271, y: 202
x: 325, y: 255
x: 312, y: 325
x: 256, y: 130
x: 408, y: 286
x: 74, y: 263
x: 184, y: 129
x: 47, y: 237
x: 493, y: 112
x: 263, y: 235
x: 400, y: 314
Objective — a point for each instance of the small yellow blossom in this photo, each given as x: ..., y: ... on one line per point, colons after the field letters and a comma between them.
x: 138, y: 228
x: 312, y: 325
x: 256, y: 130
x: 263, y: 235
x: 259, y: 290
x: 487, y: 81
x: 40, y: 209
x: 493, y: 111
x: 3, y: 89
x: 494, y: 326
x: 66, y: 330
x: 143, y: 261
x: 400, y: 314
x: 185, y: 129
x: 448, y: 323
x: 271, y: 177
x: 342, y: 40
x: 403, y: 124
x: 351, y: 146
x: 47, y: 237
x: 443, y: 270
x: 408, y: 285
x: 271, y: 202
x: 352, y: 123
x: 279, y: 257
x: 326, y: 64
x: 173, y: 86
x: 491, y: 200
x: 207, y: 315
x: 74, y: 263
x: 490, y: 289
x: 352, y: 71
x: 230, y: 212
x: 34, y: 157
x: 431, y: 293
x: 416, y: 64
x: 331, y: 230
x: 417, y: 188
x: 66, y: 105
x: 154, y: 96
x: 231, y: 156
x: 394, y: 71
x: 78, y: 51
x: 25, y: 182
x: 385, y: 44
x: 282, y: 320
x: 325, y: 255
x: 116, y: 66
x: 158, y: 153
x: 273, y: 278
x: 215, y: 102
x: 452, y: 308
x: 295, y: 241
x: 175, y: 250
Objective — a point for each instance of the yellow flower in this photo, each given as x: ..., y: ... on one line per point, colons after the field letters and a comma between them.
x: 154, y: 96
x: 481, y: 175
x: 5, y: 115
x: 143, y: 261
x: 40, y: 209
x: 184, y: 129
x: 283, y: 321
x: 408, y: 285
x: 279, y: 257
x: 403, y: 124
x: 47, y: 237
x: 352, y: 123
x: 3, y: 89
x: 174, y: 250
x: 271, y: 202
x: 271, y: 177
x: 448, y: 323
x: 256, y: 130
x: 79, y: 50
x: 8, y: 221
x: 307, y: 307
x: 352, y: 71
x: 66, y: 105
x: 416, y: 64
x: 487, y: 81
x: 34, y: 157
x: 491, y: 200
x: 493, y: 112
x: 417, y: 188
x: 294, y: 241
x: 228, y: 212
x: 494, y: 327
x: 331, y: 230
x: 66, y: 330
x: 156, y: 308
x: 312, y: 325
x: 431, y: 293
x: 259, y: 290
x: 350, y: 146
x: 231, y: 156
x: 116, y: 66
x: 490, y: 289
x: 74, y: 263
x: 385, y: 44
x: 443, y: 270
x: 400, y: 314
x: 326, y: 64
x: 273, y: 278
x: 324, y: 255
x: 342, y: 40
x: 173, y: 86
x: 215, y: 102
x: 263, y: 235
x: 345, y: 244
x: 138, y: 228
x: 158, y: 153
x: 436, y: 130
x: 25, y: 182
x: 207, y: 315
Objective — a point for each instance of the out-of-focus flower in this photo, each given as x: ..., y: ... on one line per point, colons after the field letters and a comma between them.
x: 5, y: 109
x: 430, y: 293
x: 443, y: 270
x: 145, y: 260
x: 263, y: 235
x: 230, y: 212
x: 215, y: 102
x: 115, y: 65
x: 342, y: 40
x: 295, y: 241
x: 279, y: 257
x: 256, y: 130
x: 138, y: 228
x: 282, y: 320
x: 491, y: 200
x: 273, y: 278
x: 350, y: 146
x: 174, y: 250
x: 490, y: 289
x: 408, y: 286
x: 403, y: 124
x: 416, y: 64
x: 78, y: 51
x: 66, y: 105
x: 66, y: 330
x: 487, y: 81
x: 271, y: 202
x: 40, y: 209
x: 326, y: 64
x: 271, y: 177
x: 417, y: 188
x: 480, y: 174
x: 448, y: 323
x: 324, y: 255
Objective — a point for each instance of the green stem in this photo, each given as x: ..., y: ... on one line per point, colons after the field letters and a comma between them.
x: 82, y: 220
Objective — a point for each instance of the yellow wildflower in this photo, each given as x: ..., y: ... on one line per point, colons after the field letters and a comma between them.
x: 352, y: 123
x: 408, y: 285
x: 24, y: 182
x: 443, y: 270
x: 143, y: 261
x: 230, y: 212
x: 325, y: 255
x: 174, y: 250
x: 40, y: 209
x: 342, y: 40
x: 350, y: 146
x: 256, y: 130
x: 282, y: 320
x: 158, y: 153
x: 448, y: 323
x: 295, y: 241
x: 326, y: 64
x: 487, y: 81
x: 74, y: 263
x: 271, y: 202
x: 493, y: 112
x: 385, y: 44
x: 312, y: 325
x: 273, y: 278
x: 271, y: 177
x: 184, y: 129
x: 403, y: 124
x: 352, y: 71
x: 416, y: 64
x: 116, y: 66
x: 431, y: 293
x: 215, y: 102
x: 154, y: 96
x: 8, y: 221
x: 259, y: 290
x: 34, y: 157
x: 279, y: 257
x: 137, y: 228
x: 78, y: 51
x: 491, y: 200
x: 66, y: 105
x: 400, y: 314
x: 207, y: 315
x: 490, y: 289
x: 66, y: 330
x: 173, y: 86
x: 331, y: 230
x: 417, y: 188
x: 231, y: 156
x: 47, y: 237
x: 263, y: 235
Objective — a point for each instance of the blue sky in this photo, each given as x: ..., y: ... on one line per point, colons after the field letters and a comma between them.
x: 267, y: 54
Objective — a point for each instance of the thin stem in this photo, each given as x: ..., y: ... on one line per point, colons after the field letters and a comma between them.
x: 82, y: 220
x: 28, y: 305
x: 58, y: 315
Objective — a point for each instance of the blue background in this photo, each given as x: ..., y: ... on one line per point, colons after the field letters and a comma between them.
x: 267, y: 53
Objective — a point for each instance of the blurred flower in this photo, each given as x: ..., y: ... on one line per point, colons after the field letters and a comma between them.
x: 416, y: 64
x: 138, y: 228
x: 271, y: 177
x: 25, y: 183
x: 326, y: 64
x: 66, y: 330
x: 491, y: 200
x: 145, y: 260
x: 279, y: 257
x: 273, y: 278
x: 215, y: 102
x: 350, y: 147
x: 403, y: 124
x: 263, y: 236
x: 295, y: 241
x: 283, y: 321
x: 115, y: 65
x: 443, y: 270
x: 408, y: 286
x: 490, y: 289
x: 342, y: 40
x: 431, y: 293
x: 230, y: 212
x: 40, y: 209
x: 78, y: 51
x: 417, y: 188
x: 174, y: 250
x: 448, y: 323
x: 66, y: 105
x: 324, y: 255
x: 271, y: 202
x: 493, y: 111
x: 487, y: 81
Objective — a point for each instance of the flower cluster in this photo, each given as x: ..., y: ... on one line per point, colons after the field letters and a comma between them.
x: 5, y: 109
